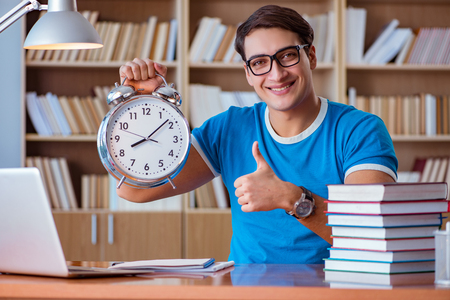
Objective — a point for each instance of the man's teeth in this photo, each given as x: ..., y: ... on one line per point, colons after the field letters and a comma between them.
x: 280, y: 89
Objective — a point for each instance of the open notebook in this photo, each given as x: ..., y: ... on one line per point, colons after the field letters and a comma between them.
x: 29, y: 241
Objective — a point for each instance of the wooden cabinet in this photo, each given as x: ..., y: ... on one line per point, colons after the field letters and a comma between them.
x: 119, y: 236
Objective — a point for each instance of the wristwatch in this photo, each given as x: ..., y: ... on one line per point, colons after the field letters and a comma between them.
x: 304, y: 207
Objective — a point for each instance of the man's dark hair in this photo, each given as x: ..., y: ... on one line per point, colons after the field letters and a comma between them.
x: 274, y: 16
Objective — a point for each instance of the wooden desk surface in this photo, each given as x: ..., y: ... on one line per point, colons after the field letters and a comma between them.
x: 256, y: 281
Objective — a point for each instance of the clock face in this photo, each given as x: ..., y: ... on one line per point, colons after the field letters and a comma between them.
x: 147, y: 138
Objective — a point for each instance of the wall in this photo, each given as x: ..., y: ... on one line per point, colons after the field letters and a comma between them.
x: 11, y: 98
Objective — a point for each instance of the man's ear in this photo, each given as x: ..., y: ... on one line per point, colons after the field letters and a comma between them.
x: 247, y: 75
x: 312, y: 57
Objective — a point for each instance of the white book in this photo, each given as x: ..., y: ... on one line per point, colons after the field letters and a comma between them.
x: 388, y: 256
x: 198, y: 37
x: 149, y: 35
x: 49, y: 114
x: 430, y: 115
x: 59, y: 183
x: 320, y: 35
x: 110, y: 43
x: 440, y: 176
x: 380, y: 40
x: 68, y: 182
x: 355, y: 34
x: 161, y: 39
x: 206, y: 40
x: 328, y: 55
x: 391, y: 46
x: 211, y: 50
x: 220, y: 193
x: 401, y: 57
x: 36, y: 115
x: 58, y: 113
x: 352, y: 96
x: 230, y: 51
x: 172, y: 40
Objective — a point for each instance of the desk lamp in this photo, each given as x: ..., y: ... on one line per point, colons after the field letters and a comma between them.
x: 62, y: 27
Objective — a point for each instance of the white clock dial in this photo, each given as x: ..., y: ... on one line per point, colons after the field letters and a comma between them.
x: 147, y: 138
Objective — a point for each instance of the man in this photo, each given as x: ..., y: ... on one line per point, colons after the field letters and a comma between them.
x: 281, y: 151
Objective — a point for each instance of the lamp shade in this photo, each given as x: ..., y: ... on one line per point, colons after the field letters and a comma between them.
x: 62, y: 27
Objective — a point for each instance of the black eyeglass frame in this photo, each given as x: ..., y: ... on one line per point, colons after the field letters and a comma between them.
x: 274, y: 57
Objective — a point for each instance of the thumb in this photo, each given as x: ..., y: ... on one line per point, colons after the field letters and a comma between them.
x: 260, y: 161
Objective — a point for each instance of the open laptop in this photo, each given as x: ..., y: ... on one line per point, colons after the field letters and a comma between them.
x: 29, y: 241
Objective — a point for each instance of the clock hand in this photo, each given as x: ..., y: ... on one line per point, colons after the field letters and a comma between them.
x: 139, y: 135
x: 148, y: 138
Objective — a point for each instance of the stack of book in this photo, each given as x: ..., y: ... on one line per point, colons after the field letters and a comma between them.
x: 383, y: 233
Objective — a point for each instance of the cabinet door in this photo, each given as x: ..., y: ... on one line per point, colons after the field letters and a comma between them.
x: 142, y: 235
x: 79, y: 235
x: 208, y: 234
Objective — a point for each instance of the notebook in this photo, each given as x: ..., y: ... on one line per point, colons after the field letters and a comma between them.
x: 29, y: 241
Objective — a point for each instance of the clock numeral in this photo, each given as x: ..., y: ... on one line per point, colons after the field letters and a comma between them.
x: 146, y: 111
x: 161, y: 163
x: 122, y: 152
x: 170, y: 125
x: 175, y: 139
x: 171, y: 153
x: 117, y: 138
x: 123, y: 126
x: 133, y: 115
x: 146, y: 167
x: 160, y: 115
x: 132, y: 161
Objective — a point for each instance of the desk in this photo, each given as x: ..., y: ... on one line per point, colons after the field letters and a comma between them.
x: 255, y: 281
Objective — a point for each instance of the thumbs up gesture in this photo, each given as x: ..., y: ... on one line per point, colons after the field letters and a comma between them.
x: 262, y: 190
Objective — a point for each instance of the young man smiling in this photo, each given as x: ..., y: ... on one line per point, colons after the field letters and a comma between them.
x: 277, y: 157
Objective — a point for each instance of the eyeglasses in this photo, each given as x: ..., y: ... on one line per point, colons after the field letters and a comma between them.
x: 286, y: 57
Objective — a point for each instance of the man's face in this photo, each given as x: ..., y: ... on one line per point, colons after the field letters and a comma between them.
x: 282, y: 88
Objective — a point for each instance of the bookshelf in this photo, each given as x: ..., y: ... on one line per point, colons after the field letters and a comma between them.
x: 206, y: 232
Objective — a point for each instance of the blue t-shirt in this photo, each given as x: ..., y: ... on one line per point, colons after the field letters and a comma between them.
x: 341, y: 140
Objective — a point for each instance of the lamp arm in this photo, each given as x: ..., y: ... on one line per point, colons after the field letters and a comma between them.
x: 20, y: 10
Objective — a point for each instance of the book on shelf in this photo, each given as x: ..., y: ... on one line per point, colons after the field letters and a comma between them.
x: 387, y: 191
x: 355, y: 32
x: 417, y: 114
x: 70, y: 115
x: 391, y: 47
x: 400, y: 279
x: 402, y: 244
x: 378, y: 267
x: 380, y: 40
x: 172, y: 40
x: 382, y: 256
x: 323, y: 26
x: 383, y: 232
x: 434, y: 219
x: 148, y: 37
x: 122, y: 41
x: 57, y: 180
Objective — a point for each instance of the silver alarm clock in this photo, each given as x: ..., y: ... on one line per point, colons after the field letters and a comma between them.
x: 144, y: 140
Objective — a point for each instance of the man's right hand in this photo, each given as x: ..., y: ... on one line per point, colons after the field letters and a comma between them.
x: 141, y: 74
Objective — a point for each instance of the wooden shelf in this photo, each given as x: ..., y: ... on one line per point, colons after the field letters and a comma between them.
x: 33, y: 137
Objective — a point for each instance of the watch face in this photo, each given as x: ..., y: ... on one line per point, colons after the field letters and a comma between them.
x: 147, y: 138
x: 304, y: 208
